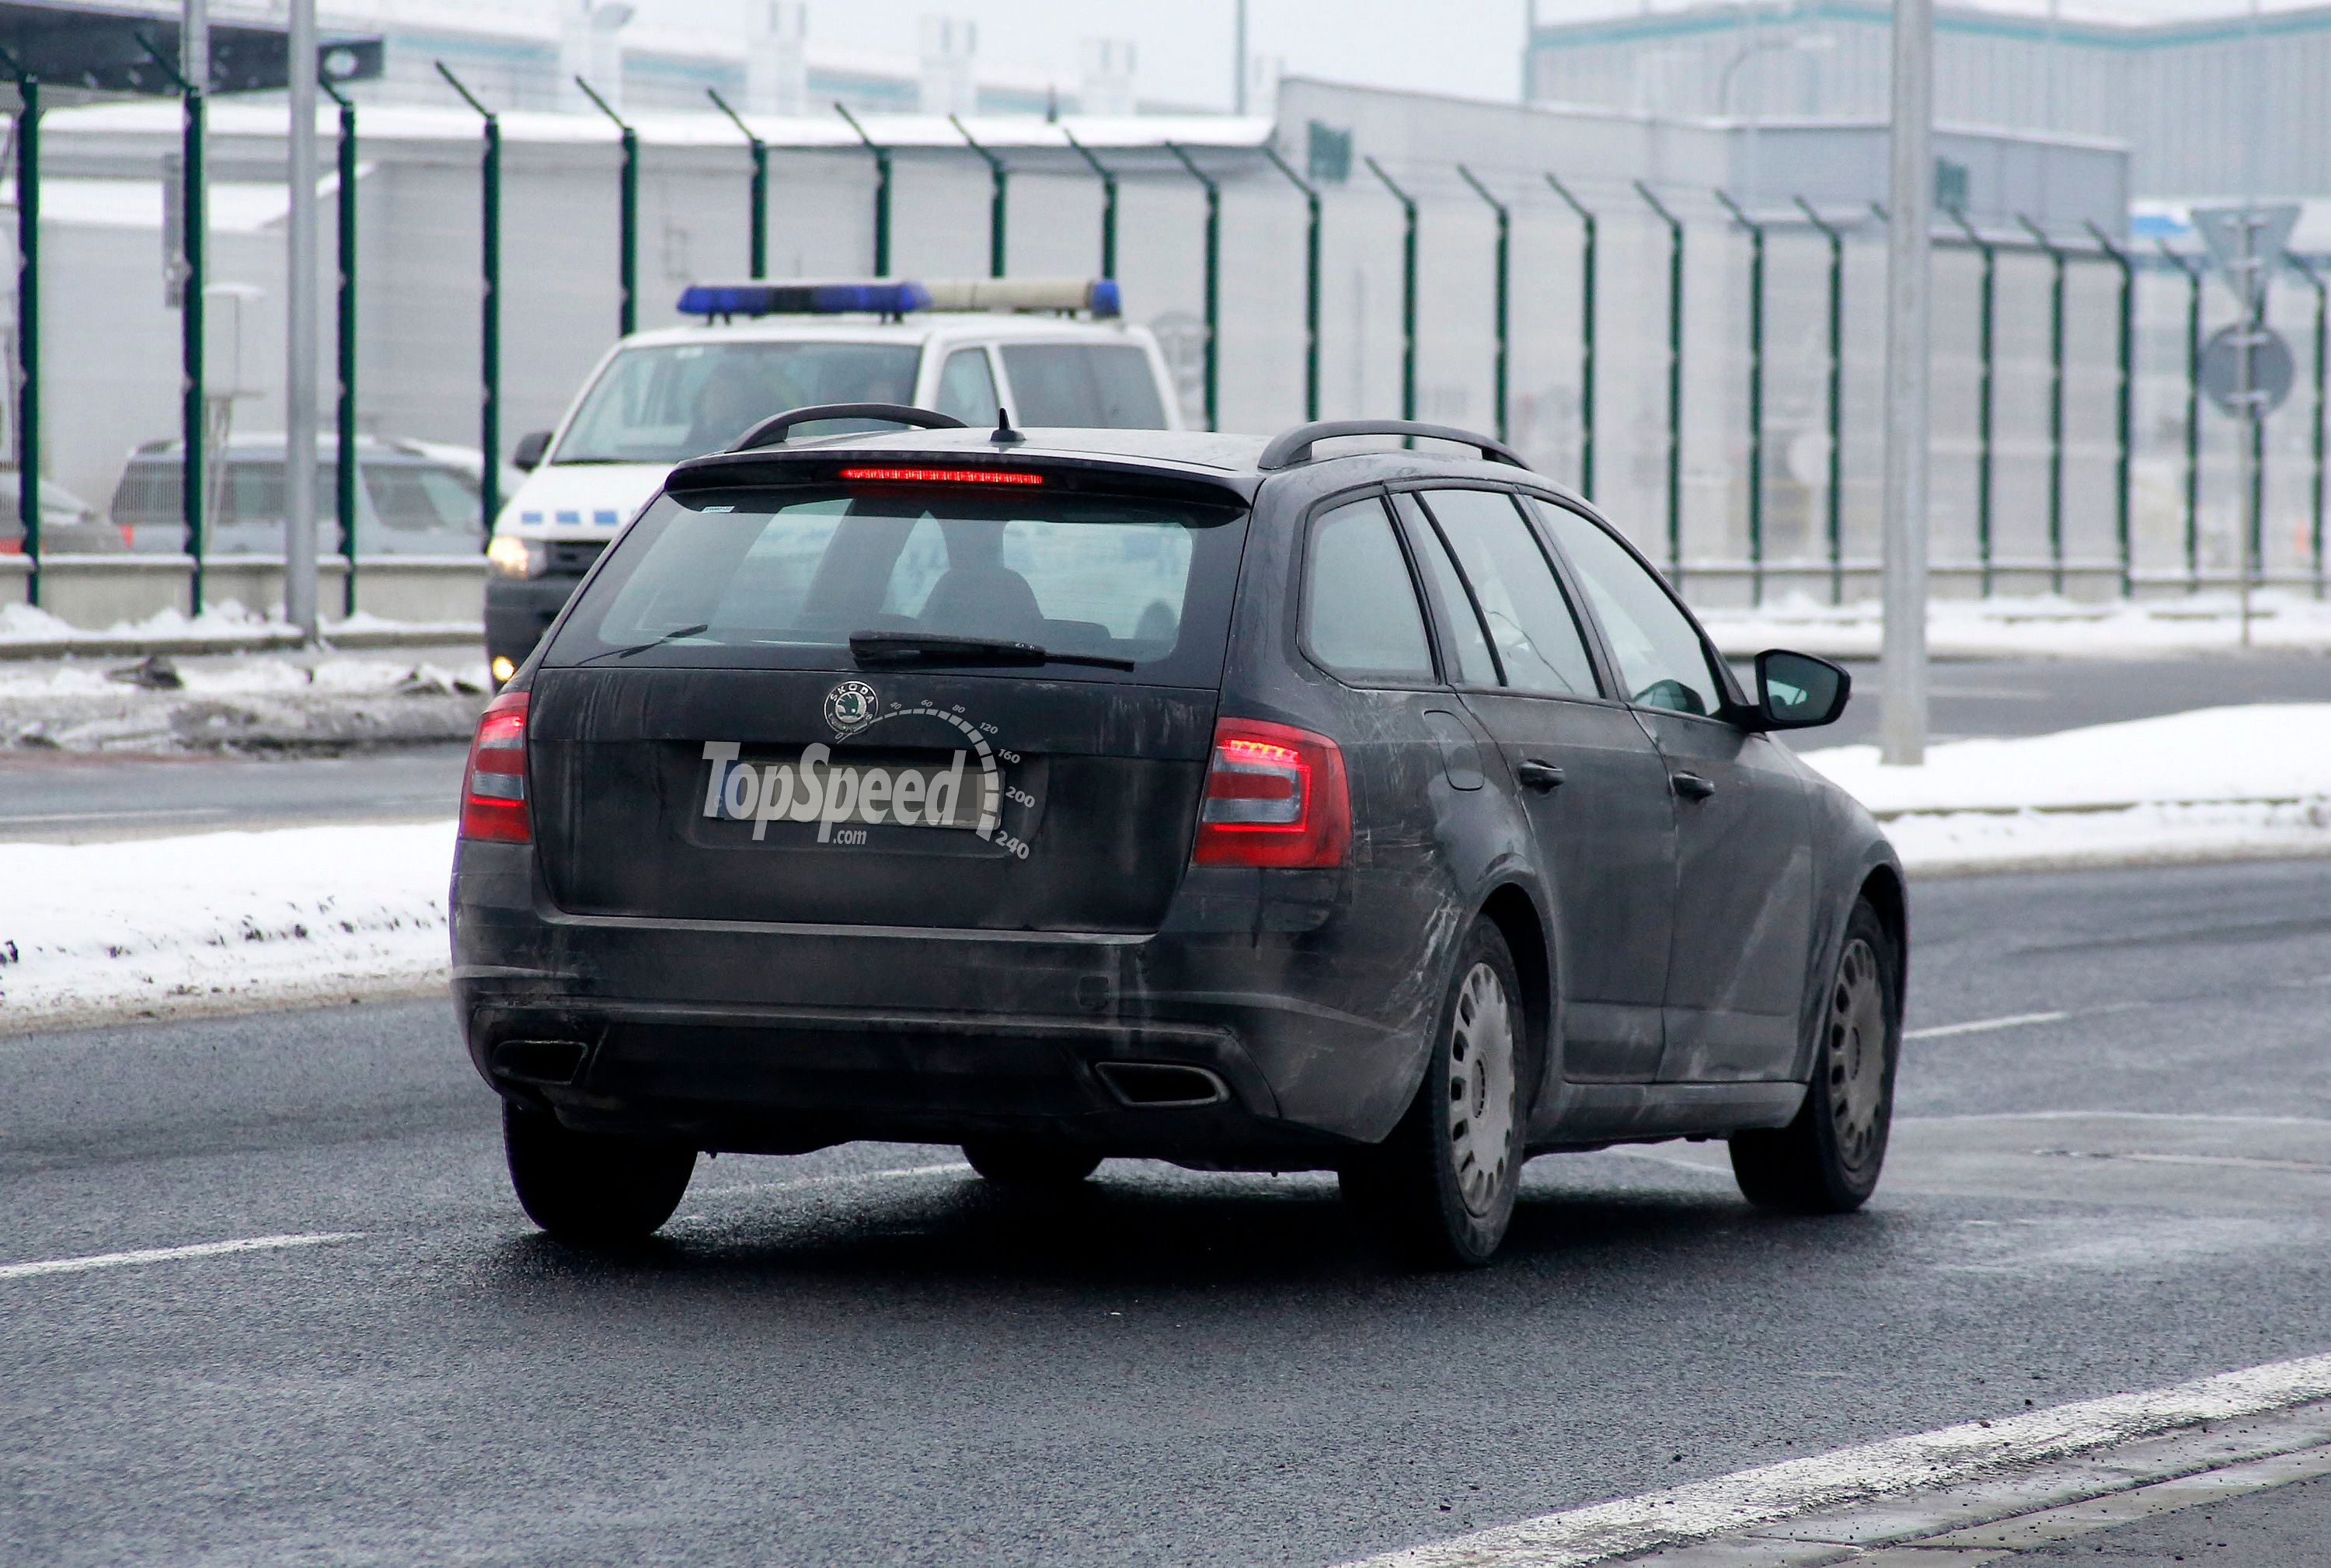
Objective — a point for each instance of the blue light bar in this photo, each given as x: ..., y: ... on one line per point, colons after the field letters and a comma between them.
x: 868, y: 299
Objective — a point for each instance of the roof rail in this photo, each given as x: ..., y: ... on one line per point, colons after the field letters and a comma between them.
x: 772, y: 432
x: 1290, y: 447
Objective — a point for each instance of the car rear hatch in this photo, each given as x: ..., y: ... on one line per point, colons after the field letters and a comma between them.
x: 873, y: 696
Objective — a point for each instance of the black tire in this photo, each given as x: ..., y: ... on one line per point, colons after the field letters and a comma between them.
x: 1439, y: 1191
x: 593, y: 1189
x: 1030, y: 1162
x: 1827, y: 1161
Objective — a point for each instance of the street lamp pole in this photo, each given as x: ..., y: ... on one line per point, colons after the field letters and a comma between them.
x: 1909, y: 246
x: 299, y: 335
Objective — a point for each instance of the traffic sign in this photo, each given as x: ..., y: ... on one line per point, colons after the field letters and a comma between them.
x: 2248, y: 242
x: 2271, y: 369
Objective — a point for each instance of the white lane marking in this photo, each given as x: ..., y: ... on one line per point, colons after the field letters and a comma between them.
x: 2236, y: 1162
x: 1985, y: 1025
x: 1704, y: 1510
x: 1677, y: 1162
x: 170, y: 813
x: 170, y: 1254
x: 2123, y: 1117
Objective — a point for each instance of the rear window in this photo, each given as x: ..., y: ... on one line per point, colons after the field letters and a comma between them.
x: 1107, y: 385
x: 785, y: 578
x: 661, y: 404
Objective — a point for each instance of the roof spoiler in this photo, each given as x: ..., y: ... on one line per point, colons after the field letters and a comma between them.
x: 1290, y: 447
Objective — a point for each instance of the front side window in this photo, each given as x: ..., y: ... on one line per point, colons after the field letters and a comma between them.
x: 786, y: 578
x: 967, y: 388
x: 1103, y: 385
x: 1538, y: 641
x: 1662, y: 662
x: 1360, y: 614
x: 662, y: 404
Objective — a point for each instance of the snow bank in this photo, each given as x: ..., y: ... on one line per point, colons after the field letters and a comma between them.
x: 2208, y: 784
x: 186, y: 924
x: 2044, y: 626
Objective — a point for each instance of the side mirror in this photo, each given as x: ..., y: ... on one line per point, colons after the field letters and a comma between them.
x: 1799, y: 691
x: 528, y: 456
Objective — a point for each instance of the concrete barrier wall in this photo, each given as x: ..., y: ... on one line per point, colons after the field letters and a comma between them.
x: 97, y: 592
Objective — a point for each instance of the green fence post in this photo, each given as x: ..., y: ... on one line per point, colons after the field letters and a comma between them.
x: 344, y: 347
x: 1107, y: 203
x: 489, y: 319
x: 1835, y: 413
x: 1986, y: 338
x: 1214, y: 280
x: 2124, y: 407
x: 2055, y: 401
x: 627, y: 256
x: 1674, y: 381
x: 1310, y: 280
x: 1585, y: 338
x: 882, y: 192
x: 28, y: 319
x: 1505, y: 259
x: 2193, y: 414
x: 1756, y: 396
x: 2314, y: 434
x: 193, y: 414
x: 997, y: 175
x: 1407, y: 291
x: 760, y: 189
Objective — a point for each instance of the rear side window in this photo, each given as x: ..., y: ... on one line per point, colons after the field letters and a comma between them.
x: 1104, y: 385
x: 1360, y: 614
x: 785, y: 578
x: 413, y: 498
x: 1470, y: 647
x: 1538, y: 641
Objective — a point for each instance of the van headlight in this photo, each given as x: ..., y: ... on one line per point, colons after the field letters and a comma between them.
x: 515, y: 558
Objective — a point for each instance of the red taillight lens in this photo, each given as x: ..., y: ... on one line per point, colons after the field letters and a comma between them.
x: 1275, y: 796
x: 493, y: 791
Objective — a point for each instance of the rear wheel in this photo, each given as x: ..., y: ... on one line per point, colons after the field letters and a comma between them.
x: 1441, y: 1190
x: 1827, y: 1161
x: 1030, y: 1162
x: 595, y: 1189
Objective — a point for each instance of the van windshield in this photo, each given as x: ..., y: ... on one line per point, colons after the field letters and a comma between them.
x: 784, y: 579
x: 681, y: 400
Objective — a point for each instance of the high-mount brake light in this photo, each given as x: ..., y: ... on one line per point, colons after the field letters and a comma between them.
x: 494, y: 786
x: 942, y: 476
x: 1275, y: 796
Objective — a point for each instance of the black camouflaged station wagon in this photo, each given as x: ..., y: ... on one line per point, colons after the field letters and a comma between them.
x: 1255, y: 805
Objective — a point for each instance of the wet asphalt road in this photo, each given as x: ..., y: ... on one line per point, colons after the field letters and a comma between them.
x: 65, y: 798
x: 854, y: 1357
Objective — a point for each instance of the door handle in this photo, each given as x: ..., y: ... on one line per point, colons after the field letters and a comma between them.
x: 1692, y: 786
x: 1540, y: 776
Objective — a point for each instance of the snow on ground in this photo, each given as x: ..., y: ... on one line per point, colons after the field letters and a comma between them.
x: 228, y: 622
x: 317, y: 914
x: 2211, y: 784
x: 2045, y: 626
x: 203, y: 922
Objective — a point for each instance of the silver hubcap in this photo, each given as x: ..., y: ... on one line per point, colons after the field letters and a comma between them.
x: 1481, y: 1088
x: 1857, y: 1052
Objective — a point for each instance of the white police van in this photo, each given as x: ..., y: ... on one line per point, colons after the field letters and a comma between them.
x: 1046, y: 351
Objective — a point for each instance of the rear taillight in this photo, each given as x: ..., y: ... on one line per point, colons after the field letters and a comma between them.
x: 1275, y: 796
x: 493, y: 791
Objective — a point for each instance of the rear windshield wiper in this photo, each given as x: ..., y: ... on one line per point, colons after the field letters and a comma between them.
x: 933, y: 647
x: 672, y: 636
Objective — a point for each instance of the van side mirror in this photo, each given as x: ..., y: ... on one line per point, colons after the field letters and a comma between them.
x: 1799, y: 691
x: 527, y: 455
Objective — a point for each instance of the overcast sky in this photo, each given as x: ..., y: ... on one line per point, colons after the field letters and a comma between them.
x: 1463, y: 46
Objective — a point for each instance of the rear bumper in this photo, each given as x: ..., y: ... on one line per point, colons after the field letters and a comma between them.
x: 779, y: 1038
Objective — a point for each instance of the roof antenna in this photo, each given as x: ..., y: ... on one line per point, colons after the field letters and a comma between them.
x: 1005, y: 434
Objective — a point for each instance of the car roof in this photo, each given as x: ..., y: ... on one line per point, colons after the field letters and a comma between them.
x: 1230, y: 460
x: 923, y: 327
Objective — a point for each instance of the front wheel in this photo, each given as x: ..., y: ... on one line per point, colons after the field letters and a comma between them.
x: 594, y: 1189
x: 1441, y: 1190
x: 1826, y: 1161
